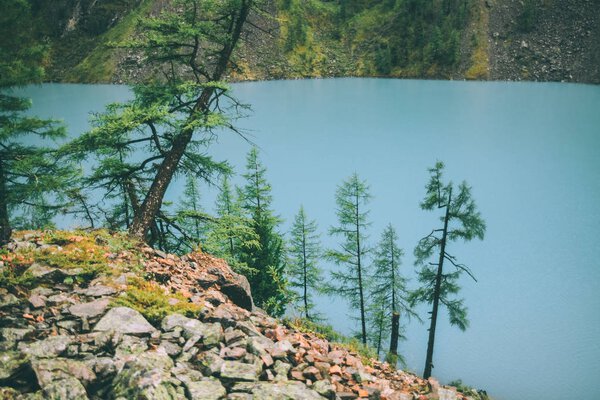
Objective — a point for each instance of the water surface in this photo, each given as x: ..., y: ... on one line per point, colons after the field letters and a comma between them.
x: 530, y: 152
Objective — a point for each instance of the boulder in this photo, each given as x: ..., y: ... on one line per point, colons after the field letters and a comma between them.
x: 50, y: 347
x: 10, y: 363
x: 124, y: 320
x: 238, y: 371
x: 91, y: 309
x: 205, y: 389
x: 284, y: 391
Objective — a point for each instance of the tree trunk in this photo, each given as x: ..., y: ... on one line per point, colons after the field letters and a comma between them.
x: 5, y: 229
x: 436, y: 294
x: 395, y: 333
x: 304, y: 266
x: 153, y: 201
x: 360, y: 282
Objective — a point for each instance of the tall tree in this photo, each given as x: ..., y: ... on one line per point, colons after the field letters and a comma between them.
x: 30, y: 175
x: 305, y: 252
x: 459, y: 220
x: 352, y: 197
x: 389, y: 287
x: 172, y: 119
x: 268, y: 283
x: 232, y: 234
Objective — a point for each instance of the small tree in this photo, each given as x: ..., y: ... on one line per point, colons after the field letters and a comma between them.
x: 389, y: 288
x: 352, y: 197
x: 305, y: 251
x: 460, y: 220
x: 231, y: 235
x: 268, y: 259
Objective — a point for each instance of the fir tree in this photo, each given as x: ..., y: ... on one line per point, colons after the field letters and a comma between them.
x: 303, y: 270
x: 32, y: 179
x: 269, y: 287
x: 389, y: 292
x: 460, y: 220
x: 352, y: 282
x: 231, y: 235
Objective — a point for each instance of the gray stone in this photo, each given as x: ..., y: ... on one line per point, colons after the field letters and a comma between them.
x: 8, y: 300
x: 170, y: 348
x: 97, y: 291
x: 211, y: 333
x: 324, y: 388
x: 239, y: 396
x: 205, y: 389
x: 14, y: 334
x: 238, y: 371
x: 210, y: 363
x: 124, y: 320
x: 43, y: 272
x: 10, y: 363
x: 49, y: 347
x: 48, y: 371
x: 282, y: 370
x: 91, y: 309
x: 65, y: 389
x: 284, y: 391
x: 37, y: 301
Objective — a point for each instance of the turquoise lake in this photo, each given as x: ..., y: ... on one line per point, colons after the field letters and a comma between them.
x: 530, y: 151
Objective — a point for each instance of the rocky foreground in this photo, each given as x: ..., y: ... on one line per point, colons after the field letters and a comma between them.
x: 93, y: 316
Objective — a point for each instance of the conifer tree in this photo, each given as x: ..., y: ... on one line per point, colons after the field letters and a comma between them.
x: 190, y: 213
x: 172, y: 119
x: 303, y: 270
x: 32, y: 180
x: 352, y: 281
x: 269, y: 287
x: 389, y: 292
x: 459, y: 220
x: 231, y: 235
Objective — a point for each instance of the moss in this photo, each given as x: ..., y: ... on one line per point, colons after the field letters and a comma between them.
x: 153, y: 303
x: 100, y: 65
x: 480, y: 61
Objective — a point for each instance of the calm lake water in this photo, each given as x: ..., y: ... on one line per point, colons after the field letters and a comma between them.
x: 530, y: 152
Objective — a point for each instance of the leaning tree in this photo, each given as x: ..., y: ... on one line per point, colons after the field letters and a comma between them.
x: 459, y: 220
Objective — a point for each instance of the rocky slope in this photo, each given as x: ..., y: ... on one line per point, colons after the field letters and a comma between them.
x: 535, y: 40
x: 93, y: 316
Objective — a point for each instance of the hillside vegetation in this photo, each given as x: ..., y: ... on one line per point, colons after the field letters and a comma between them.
x: 441, y: 39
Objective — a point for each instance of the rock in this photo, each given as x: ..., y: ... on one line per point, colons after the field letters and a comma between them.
x: 37, y: 301
x: 48, y: 371
x: 44, y: 273
x: 232, y: 353
x: 89, y: 310
x: 14, y: 335
x: 284, y: 391
x: 124, y: 320
x: 10, y: 363
x: 447, y: 394
x: 97, y: 291
x: 8, y: 300
x: 211, y: 333
x: 147, y: 377
x: 324, y: 388
x: 282, y: 370
x: 238, y: 371
x: 210, y: 363
x: 205, y: 389
x: 65, y: 389
x: 50, y: 347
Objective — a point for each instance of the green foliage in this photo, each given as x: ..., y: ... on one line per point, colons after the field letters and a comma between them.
x: 352, y: 280
x: 303, y: 271
x: 320, y: 329
x: 231, y: 234
x: 269, y: 286
x: 153, y: 303
x: 527, y: 19
x: 30, y: 175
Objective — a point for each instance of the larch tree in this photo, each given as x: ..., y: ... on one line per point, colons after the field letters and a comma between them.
x: 303, y: 269
x: 459, y: 220
x: 269, y: 286
x: 231, y: 234
x: 352, y: 280
x: 389, y: 292
x: 167, y: 128
x: 32, y: 179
